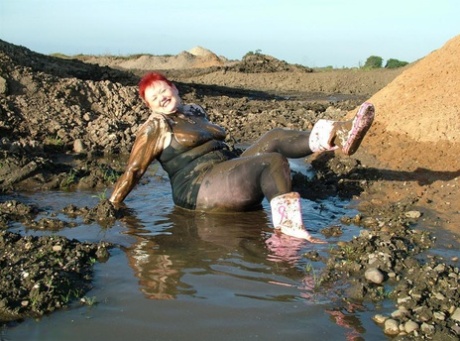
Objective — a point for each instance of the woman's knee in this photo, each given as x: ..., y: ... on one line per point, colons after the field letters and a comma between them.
x: 274, y: 134
x: 277, y: 160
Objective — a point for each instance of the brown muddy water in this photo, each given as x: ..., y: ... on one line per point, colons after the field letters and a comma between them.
x: 180, y: 275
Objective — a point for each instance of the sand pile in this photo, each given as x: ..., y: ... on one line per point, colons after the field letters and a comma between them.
x: 197, y: 57
x: 418, y: 114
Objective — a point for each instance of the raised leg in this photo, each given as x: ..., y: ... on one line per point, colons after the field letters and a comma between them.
x: 326, y: 135
x: 289, y: 143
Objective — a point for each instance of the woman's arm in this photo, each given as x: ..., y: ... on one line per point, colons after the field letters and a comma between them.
x: 151, y: 139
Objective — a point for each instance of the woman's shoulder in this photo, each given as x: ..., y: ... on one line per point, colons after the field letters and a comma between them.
x: 193, y: 109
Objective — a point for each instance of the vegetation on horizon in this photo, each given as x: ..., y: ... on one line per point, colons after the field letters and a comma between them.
x: 376, y: 62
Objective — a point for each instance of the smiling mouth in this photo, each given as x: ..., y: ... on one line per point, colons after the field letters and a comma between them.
x: 165, y: 102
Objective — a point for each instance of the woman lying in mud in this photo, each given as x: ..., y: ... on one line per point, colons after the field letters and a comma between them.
x: 206, y: 175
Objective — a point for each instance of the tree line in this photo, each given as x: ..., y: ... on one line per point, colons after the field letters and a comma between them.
x: 376, y: 62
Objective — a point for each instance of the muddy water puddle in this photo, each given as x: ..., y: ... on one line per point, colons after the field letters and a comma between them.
x: 180, y: 275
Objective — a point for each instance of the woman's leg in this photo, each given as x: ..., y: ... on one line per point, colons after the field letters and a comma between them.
x: 241, y: 184
x: 326, y: 135
x: 289, y: 143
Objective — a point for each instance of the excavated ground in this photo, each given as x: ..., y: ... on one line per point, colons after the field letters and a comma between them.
x: 61, y: 120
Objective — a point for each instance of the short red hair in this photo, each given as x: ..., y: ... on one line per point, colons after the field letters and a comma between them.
x: 149, y: 79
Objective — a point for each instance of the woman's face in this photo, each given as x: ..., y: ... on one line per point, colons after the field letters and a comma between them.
x: 162, y: 98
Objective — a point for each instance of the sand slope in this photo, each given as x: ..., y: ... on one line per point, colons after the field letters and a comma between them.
x: 424, y: 101
x: 418, y: 115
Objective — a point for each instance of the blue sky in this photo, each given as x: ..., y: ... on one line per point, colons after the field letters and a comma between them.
x: 340, y: 33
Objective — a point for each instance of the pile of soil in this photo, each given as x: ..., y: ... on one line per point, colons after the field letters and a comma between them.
x: 62, y: 120
x: 195, y: 58
x: 416, y: 137
x: 260, y: 63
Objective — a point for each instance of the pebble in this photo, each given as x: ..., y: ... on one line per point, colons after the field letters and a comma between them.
x: 440, y: 268
x: 400, y: 312
x: 439, y: 315
x: 405, y: 299
x: 413, y: 214
x: 410, y: 326
x: 380, y: 319
x: 391, y: 327
x: 57, y: 248
x: 456, y: 329
x: 427, y: 328
x: 78, y: 146
x: 456, y: 315
x: 439, y: 296
x: 374, y: 275
x: 3, y: 86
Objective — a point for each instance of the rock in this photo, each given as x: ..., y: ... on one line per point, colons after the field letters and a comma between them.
x: 413, y: 214
x: 3, y: 86
x: 391, y: 327
x: 456, y: 329
x: 439, y: 296
x: 57, y: 248
x: 374, y: 275
x: 380, y: 319
x: 405, y: 299
x: 78, y: 146
x: 440, y: 268
x: 392, y: 274
x: 439, y: 315
x: 427, y: 328
x: 400, y: 312
x: 410, y: 326
x: 456, y: 315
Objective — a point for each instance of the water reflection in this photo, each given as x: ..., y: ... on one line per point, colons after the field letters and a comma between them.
x: 345, y: 316
x: 241, y: 244
x: 196, y: 272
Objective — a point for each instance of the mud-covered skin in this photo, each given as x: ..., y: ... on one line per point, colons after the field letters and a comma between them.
x: 189, y: 128
x: 204, y: 173
x: 195, y: 147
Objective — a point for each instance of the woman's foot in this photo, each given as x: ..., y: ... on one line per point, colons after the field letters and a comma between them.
x: 328, y: 135
x: 349, y: 135
x: 287, y: 217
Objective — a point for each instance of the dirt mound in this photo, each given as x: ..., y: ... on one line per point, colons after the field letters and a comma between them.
x: 415, y: 140
x: 196, y: 58
x: 48, y: 102
x: 259, y: 63
x: 425, y: 98
x: 202, y: 52
x: 417, y: 122
x: 15, y: 61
